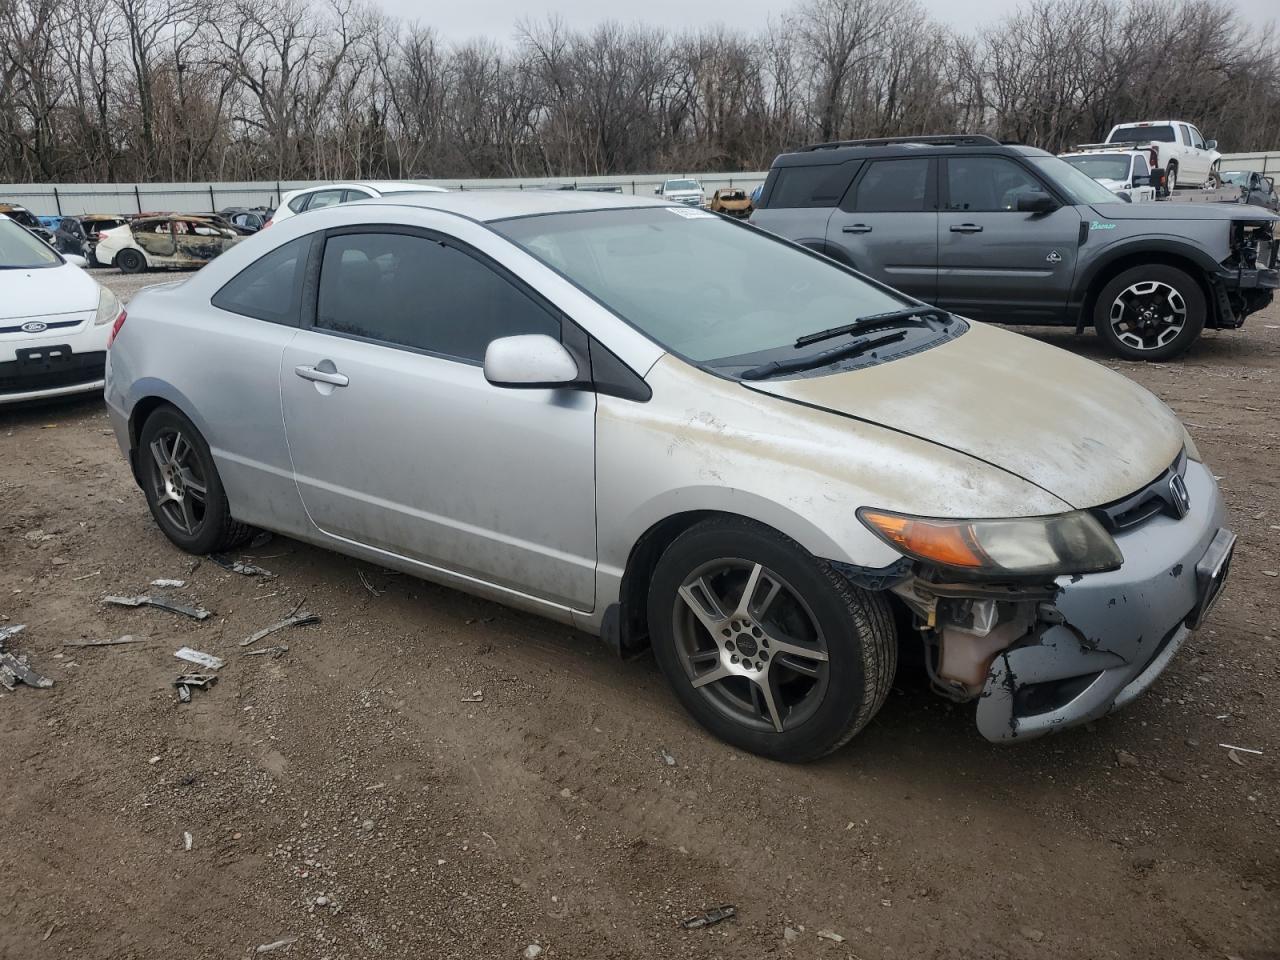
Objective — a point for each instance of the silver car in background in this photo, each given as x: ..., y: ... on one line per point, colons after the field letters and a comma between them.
x: 669, y: 428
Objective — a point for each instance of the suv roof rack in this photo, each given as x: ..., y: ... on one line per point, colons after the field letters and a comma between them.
x: 960, y: 139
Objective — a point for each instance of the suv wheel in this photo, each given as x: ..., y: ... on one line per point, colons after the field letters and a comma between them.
x: 182, y: 485
x: 1150, y: 312
x: 767, y: 646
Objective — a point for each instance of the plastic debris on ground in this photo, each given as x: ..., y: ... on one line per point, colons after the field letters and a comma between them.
x: 168, y: 583
x: 14, y: 669
x: 207, y: 660
x: 195, y: 613
x: 294, y: 619
x: 276, y: 652
x: 188, y: 681
x: 240, y: 567
x: 118, y: 641
x: 710, y: 918
x: 276, y: 945
x: 477, y: 697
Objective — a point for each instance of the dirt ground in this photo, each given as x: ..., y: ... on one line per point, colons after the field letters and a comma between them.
x: 349, y: 795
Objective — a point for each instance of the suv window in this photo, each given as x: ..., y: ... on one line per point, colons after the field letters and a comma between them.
x: 1197, y: 141
x: 417, y: 292
x: 818, y: 185
x: 270, y: 288
x: 299, y: 203
x: 985, y: 184
x: 894, y: 186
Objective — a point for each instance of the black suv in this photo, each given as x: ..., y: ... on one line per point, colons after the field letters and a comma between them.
x: 1013, y: 234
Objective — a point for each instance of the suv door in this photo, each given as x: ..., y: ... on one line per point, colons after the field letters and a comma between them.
x: 994, y: 262
x: 399, y: 443
x: 887, y: 224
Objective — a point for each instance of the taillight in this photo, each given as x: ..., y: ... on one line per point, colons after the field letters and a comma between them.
x: 115, y: 328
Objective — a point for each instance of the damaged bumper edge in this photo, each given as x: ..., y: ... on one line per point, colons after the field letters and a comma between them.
x: 1106, y: 637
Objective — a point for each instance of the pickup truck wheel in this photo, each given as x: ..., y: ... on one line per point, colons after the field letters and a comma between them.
x: 1150, y: 312
x: 130, y: 261
x: 1171, y: 178
x: 766, y: 645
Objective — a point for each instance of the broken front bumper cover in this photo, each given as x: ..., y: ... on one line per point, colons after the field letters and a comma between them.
x: 1106, y: 637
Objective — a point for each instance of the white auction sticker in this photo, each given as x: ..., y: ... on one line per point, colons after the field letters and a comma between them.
x: 690, y: 213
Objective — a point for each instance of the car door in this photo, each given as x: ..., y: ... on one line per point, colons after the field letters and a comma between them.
x: 156, y: 237
x: 1199, y: 155
x: 887, y: 224
x: 400, y: 444
x: 994, y: 262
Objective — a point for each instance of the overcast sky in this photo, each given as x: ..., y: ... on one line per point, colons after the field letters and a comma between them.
x: 464, y: 19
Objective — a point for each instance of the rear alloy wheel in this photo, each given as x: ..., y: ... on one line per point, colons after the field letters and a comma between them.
x: 131, y: 261
x: 182, y: 486
x: 766, y: 645
x: 1171, y: 178
x: 1150, y: 313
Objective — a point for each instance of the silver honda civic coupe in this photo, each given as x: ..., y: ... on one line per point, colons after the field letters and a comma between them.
x: 676, y: 431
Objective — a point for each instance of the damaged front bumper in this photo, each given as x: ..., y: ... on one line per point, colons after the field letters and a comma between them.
x: 1105, y: 637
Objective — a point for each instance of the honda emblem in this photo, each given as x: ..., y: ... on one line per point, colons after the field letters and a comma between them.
x: 1180, y: 498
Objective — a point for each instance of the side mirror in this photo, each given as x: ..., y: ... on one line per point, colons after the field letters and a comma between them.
x: 1036, y: 203
x: 76, y: 259
x: 658, y: 192
x: 529, y: 361
x: 1211, y: 144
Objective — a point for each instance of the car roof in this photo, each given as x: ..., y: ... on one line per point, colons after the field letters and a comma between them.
x: 838, y: 152
x: 489, y: 205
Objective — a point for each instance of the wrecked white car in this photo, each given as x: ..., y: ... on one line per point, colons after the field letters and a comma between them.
x: 774, y: 476
x: 174, y: 241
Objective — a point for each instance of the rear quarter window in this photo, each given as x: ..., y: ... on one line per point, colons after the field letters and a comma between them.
x: 270, y: 288
x: 816, y: 185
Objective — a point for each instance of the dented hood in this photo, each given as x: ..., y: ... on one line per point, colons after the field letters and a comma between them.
x: 1070, y: 426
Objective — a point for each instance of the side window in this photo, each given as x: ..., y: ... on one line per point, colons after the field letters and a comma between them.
x: 986, y: 184
x: 299, y: 203
x: 1182, y: 133
x: 324, y: 198
x: 900, y: 186
x: 811, y: 186
x: 421, y: 293
x: 349, y: 195
x: 1197, y: 141
x: 1140, y: 168
x: 270, y: 288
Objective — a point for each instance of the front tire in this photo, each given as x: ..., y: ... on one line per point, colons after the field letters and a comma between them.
x: 766, y: 645
x: 131, y: 261
x: 1152, y: 312
x: 182, y: 485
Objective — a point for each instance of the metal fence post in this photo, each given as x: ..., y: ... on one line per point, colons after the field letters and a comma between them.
x: 213, y: 204
x: 57, y: 201
x: 137, y: 196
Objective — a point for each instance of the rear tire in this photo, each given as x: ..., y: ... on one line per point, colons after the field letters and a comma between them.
x: 1171, y: 178
x: 806, y: 651
x: 1152, y: 312
x: 182, y: 485
x: 131, y: 261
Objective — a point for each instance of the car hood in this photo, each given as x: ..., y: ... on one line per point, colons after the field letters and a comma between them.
x: 46, y: 290
x: 1072, y: 427
x: 1176, y: 210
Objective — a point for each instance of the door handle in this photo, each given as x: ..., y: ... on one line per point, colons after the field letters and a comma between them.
x: 965, y: 228
x: 322, y: 376
x: 856, y: 228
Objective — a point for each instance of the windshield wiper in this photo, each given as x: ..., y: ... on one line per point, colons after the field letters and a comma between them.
x: 870, y: 322
x: 776, y: 368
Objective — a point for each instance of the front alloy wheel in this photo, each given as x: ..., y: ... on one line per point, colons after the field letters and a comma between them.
x: 766, y: 645
x: 750, y: 645
x: 1152, y: 312
x: 1148, y: 315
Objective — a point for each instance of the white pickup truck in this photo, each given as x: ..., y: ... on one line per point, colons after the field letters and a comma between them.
x: 1175, y: 146
x: 1126, y: 173
x: 683, y: 190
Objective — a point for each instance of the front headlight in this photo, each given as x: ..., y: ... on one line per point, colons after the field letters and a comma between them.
x: 1052, y: 546
x: 108, y: 307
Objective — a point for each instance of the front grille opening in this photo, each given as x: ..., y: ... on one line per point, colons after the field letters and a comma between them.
x: 1138, y: 513
x: 1154, y: 499
x: 1035, y: 698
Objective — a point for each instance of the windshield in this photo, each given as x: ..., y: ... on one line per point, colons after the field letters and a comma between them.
x: 701, y: 286
x: 1079, y: 187
x: 1163, y: 134
x: 23, y: 217
x: 682, y: 185
x: 1239, y: 177
x: 1111, y: 167
x: 20, y: 250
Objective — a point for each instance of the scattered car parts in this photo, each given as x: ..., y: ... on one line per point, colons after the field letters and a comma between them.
x: 196, y: 613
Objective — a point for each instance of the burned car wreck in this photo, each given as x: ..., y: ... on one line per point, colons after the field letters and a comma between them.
x: 172, y: 241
